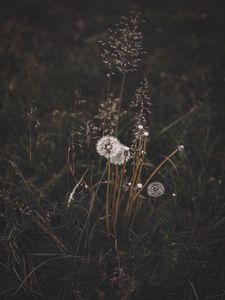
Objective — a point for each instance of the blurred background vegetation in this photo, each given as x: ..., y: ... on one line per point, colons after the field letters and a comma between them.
x: 50, y: 57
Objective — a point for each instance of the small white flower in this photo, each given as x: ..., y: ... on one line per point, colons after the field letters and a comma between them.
x: 108, y: 146
x: 174, y: 195
x: 139, y: 185
x: 140, y: 127
x: 122, y: 156
x: 180, y: 148
x: 155, y: 189
x: 146, y: 133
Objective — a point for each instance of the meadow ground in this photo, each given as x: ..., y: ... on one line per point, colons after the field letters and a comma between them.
x: 50, y: 60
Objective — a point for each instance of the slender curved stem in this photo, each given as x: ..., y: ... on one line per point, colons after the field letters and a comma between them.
x: 148, y: 180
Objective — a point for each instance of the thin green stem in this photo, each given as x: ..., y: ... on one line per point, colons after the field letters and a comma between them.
x: 107, y: 99
x: 120, y: 101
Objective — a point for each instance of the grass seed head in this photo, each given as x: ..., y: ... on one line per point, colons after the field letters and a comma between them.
x: 123, y: 49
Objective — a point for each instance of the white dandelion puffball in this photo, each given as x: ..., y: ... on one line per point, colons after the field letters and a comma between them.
x: 155, y: 189
x: 122, y: 156
x: 108, y: 146
x: 139, y: 185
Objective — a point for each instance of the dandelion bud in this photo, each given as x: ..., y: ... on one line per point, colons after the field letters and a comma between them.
x: 139, y: 185
x: 180, y: 148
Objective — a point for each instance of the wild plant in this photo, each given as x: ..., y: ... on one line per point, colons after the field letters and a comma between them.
x: 125, y: 165
x: 122, y: 51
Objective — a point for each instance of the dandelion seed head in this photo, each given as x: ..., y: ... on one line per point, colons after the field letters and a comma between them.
x: 108, y: 146
x: 174, y: 195
x: 155, y: 189
x: 139, y: 185
x: 146, y: 134
x: 122, y: 156
x: 140, y: 127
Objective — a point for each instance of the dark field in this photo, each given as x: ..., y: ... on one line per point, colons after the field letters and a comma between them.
x: 51, y: 62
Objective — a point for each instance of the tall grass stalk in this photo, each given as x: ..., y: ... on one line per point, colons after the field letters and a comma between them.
x: 120, y: 101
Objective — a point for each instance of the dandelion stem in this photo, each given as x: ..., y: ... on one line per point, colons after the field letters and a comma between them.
x: 119, y: 192
x: 117, y: 249
x: 107, y: 196
x: 115, y: 191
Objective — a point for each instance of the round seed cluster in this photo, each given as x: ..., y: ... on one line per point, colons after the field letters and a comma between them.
x: 110, y: 148
x: 155, y: 189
